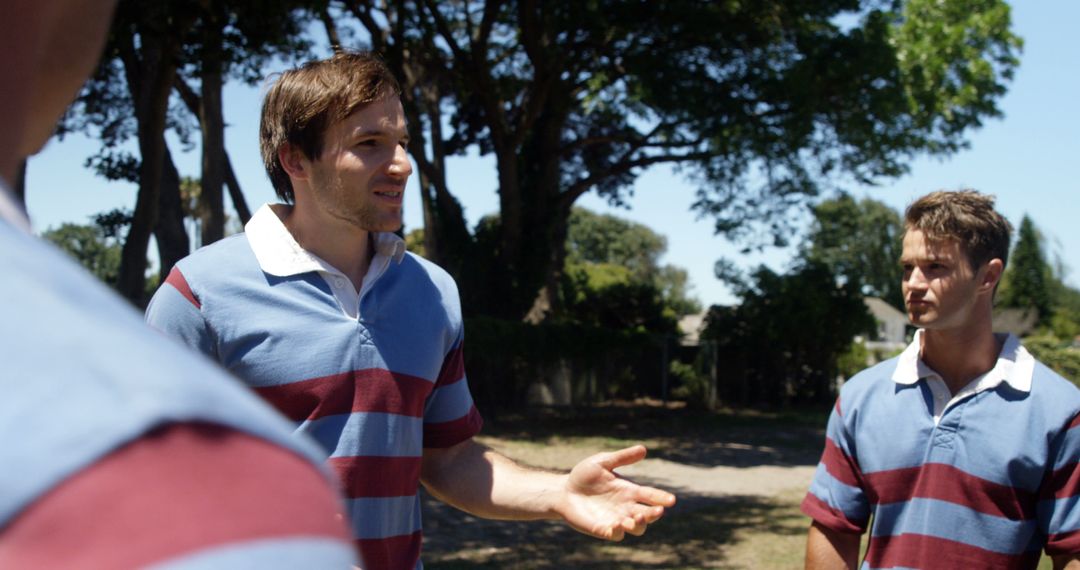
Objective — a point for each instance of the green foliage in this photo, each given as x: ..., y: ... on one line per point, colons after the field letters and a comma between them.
x: 414, y: 241
x: 860, y: 241
x: 504, y: 357
x: 1058, y: 355
x: 1028, y: 275
x: 691, y: 386
x: 761, y: 104
x: 853, y: 360
x: 91, y: 246
x: 953, y: 58
x: 1065, y: 322
x: 612, y: 276
x: 602, y: 238
x: 783, y: 342
x: 603, y: 294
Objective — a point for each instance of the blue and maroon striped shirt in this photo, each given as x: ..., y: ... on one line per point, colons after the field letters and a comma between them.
x: 374, y: 382
x: 990, y: 485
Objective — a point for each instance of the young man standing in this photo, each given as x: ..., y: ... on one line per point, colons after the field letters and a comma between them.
x: 120, y: 449
x: 321, y: 310
x: 963, y: 449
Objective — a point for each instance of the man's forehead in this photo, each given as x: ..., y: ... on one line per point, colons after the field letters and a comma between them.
x: 918, y: 245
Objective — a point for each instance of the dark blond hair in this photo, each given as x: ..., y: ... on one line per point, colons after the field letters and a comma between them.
x: 966, y: 216
x: 304, y: 102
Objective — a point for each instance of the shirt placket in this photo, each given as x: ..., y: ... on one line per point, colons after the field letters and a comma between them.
x: 344, y: 293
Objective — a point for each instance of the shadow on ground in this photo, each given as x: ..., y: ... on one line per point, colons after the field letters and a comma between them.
x: 702, y: 531
x: 698, y: 533
x: 690, y: 437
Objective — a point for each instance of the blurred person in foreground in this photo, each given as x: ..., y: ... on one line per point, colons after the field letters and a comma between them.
x: 119, y: 449
x: 962, y: 450
x: 319, y: 308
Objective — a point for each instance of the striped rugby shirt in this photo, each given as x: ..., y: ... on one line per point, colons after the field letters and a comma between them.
x: 992, y: 483
x: 374, y: 377
x: 122, y: 450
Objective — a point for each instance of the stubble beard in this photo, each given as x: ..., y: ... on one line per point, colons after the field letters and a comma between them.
x: 343, y: 204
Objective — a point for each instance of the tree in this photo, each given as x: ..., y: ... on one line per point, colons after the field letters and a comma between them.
x: 860, y: 242
x: 1028, y: 276
x: 91, y: 246
x: 783, y: 342
x: 612, y: 276
x: 763, y: 103
x: 152, y: 51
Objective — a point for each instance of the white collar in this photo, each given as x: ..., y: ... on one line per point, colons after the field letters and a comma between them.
x: 10, y: 209
x: 1015, y: 365
x: 279, y: 254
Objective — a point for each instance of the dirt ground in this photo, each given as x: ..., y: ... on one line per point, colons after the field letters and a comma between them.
x: 738, y: 478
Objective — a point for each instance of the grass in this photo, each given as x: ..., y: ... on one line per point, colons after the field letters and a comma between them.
x: 736, y: 533
x: 739, y: 532
x: 704, y: 531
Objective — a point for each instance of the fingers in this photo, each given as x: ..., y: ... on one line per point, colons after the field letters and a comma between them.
x: 654, y: 496
x: 634, y: 527
x: 639, y: 522
x: 615, y: 459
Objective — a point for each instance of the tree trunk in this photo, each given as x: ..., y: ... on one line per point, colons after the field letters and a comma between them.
x: 153, y: 73
x: 172, y: 239
x: 237, y: 197
x: 212, y: 124
x: 193, y: 103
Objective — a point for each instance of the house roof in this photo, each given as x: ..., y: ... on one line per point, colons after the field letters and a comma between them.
x: 883, y: 311
x: 1019, y: 322
x: 691, y: 326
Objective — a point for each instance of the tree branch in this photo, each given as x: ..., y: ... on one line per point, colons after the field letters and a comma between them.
x: 330, y: 27
x: 584, y: 185
x: 377, y: 33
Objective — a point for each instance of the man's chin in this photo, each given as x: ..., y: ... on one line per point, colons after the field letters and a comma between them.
x: 921, y: 318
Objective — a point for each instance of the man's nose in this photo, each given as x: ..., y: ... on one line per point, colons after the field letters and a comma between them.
x: 916, y: 279
x: 400, y: 166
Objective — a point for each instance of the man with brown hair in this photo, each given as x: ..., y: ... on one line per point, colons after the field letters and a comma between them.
x: 120, y: 449
x: 321, y: 310
x: 962, y: 450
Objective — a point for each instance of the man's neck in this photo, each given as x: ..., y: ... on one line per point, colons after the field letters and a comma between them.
x: 960, y: 355
x: 341, y: 244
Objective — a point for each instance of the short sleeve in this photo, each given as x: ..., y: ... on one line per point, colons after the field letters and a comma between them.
x: 1059, y: 500
x: 837, y: 499
x: 450, y: 416
x: 176, y: 311
x: 189, y: 496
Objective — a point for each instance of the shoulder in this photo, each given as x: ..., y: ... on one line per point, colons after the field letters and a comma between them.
x: 116, y: 379
x: 412, y: 262
x: 154, y: 472
x: 423, y: 279
x: 230, y: 253
x: 1054, y: 392
x: 870, y: 380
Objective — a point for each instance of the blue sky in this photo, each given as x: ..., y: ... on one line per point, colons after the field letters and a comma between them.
x: 1025, y: 159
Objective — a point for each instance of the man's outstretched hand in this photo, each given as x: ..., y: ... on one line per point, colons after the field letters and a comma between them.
x: 600, y: 503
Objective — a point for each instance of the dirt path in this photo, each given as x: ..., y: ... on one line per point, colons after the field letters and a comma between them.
x: 733, y: 475
x: 695, y: 479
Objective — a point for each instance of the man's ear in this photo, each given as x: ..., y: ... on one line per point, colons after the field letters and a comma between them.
x: 293, y: 161
x: 992, y: 272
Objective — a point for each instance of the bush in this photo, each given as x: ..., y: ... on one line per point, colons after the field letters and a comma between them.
x: 503, y: 358
x: 691, y: 386
x: 1056, y: 354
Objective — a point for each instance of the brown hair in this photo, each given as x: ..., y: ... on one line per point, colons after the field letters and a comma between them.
x: 966, y: 216
x: 304, y: 102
